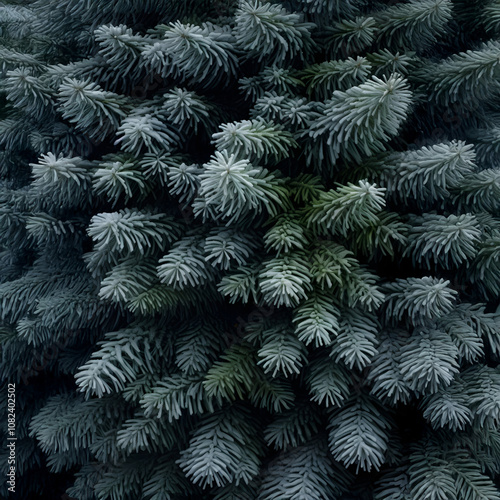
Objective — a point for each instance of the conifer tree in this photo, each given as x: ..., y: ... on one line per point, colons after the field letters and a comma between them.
x: 251, y: 249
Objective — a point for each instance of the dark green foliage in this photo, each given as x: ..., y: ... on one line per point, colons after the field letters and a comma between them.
x: 251, y: 250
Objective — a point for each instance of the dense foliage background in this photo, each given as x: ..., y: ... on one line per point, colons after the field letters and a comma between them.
x: 250, y: 250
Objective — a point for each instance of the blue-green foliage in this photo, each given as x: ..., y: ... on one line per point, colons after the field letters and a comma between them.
x: 250, y: 250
